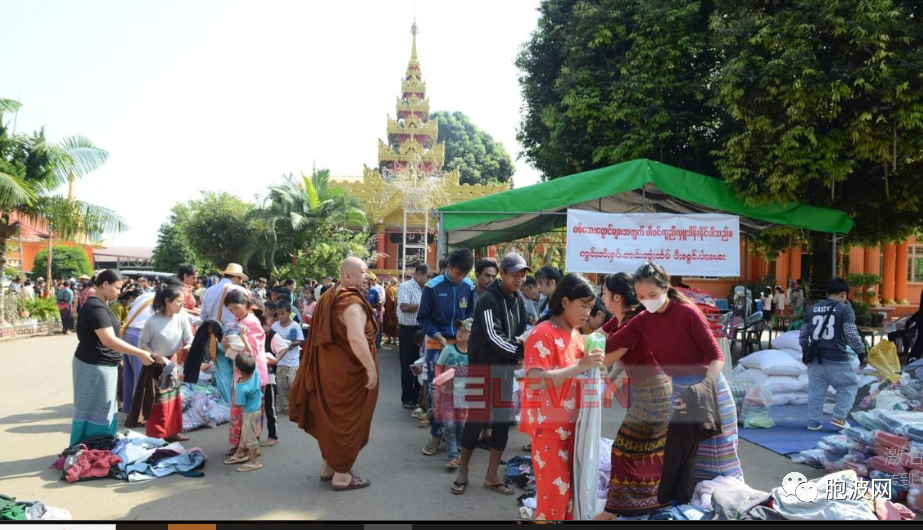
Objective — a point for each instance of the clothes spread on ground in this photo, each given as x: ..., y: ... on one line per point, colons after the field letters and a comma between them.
x: 730, y: 499
x: 88, y: 464
x: 13, y: 510
x: 700, y: 422
x: 841, y: 505
x: 519, y: 471
x: 133, y: 457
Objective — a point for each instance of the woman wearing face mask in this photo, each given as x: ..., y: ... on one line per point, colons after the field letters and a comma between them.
x: 684, y: 346
x: 637, y: 452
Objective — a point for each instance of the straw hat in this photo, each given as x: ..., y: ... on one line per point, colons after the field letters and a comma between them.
x: 234, y: 269
x: 83, y: 277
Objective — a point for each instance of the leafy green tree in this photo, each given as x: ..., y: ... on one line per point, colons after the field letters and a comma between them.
x: 605, y: 81
x: 826, y: 103
x: 66, y: 262
x: 299, y: 215
x: 478, y: 158
x: 171, y: 250
x: 218, y: 228
x: 31, y: 169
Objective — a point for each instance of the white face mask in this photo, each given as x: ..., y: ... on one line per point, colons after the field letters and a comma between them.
x: 654, y: 305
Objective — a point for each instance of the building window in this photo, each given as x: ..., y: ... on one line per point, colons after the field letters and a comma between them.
x: 915, y: 265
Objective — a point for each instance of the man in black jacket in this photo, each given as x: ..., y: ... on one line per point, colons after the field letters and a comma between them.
x: 493, y: 353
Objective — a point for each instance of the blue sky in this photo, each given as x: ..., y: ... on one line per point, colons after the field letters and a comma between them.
x: 229, y: 95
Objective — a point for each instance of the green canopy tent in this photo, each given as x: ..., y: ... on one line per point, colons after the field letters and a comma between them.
x: 630, y: 187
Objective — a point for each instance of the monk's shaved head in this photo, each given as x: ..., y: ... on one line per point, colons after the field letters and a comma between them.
x: 352, y: 272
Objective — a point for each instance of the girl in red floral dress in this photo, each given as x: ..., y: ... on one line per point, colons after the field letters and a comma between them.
x: 554, y: 356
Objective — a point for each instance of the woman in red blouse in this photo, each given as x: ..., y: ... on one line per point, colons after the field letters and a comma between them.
x: 687, y: 351
x: 554, y: 356
x: 637, y: 452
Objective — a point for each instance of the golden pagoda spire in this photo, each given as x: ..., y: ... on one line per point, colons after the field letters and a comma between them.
x: 413, y: 30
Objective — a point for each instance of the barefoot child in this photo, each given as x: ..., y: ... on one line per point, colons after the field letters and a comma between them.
x: 249, y: 396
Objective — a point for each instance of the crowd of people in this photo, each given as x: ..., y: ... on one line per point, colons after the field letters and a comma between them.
x: 325, y: 376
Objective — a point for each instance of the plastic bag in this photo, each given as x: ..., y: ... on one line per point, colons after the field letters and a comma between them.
x: 900, y: 483
x: 883, y: 358
x: 899, y: 422
x: 892, y: 400
x: 915, y: 499
x: 859, y: 434
x: 811, y: 457
x: 595, y: 341
x: 861, y: 469
x: 868, y: 420
x: 886, y: 464
x: 836, y: 444
x: 886, y: 443
x: 755, y: 411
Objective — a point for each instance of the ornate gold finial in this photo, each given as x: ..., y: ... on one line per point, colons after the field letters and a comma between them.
x: 413, y: 31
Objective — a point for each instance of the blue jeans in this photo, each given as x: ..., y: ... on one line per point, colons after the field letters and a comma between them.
x: 842, y: 376
x: 435, y: 427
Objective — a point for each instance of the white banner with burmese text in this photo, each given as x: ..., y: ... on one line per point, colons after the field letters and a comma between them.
x: 685, y: 245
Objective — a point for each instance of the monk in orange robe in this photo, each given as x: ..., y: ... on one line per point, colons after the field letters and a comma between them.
x: 336, y: 389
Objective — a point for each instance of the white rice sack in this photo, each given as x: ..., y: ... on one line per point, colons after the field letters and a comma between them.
x: 782, y: 384
x: 748, y: 376
x: 774, y: 362
x: 788, y: 341
x: 796, y: 354
x: 789, y: 398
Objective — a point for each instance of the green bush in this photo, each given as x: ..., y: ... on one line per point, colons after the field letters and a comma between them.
x: 66, y: 262
x: 41, y: 309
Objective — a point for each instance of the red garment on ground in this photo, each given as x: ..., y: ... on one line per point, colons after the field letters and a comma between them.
x: 679, y: 338
x: 91, y: 463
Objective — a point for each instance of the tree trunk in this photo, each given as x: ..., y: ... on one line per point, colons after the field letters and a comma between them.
x: 821, y: 264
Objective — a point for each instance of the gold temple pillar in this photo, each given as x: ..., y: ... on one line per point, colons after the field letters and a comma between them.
x: 381, y: 248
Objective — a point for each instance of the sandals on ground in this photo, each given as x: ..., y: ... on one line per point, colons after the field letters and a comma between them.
x: 355, y: 484
x: 430, y: 448
x: 500, y: 488
x: 250, y: 467
x: 459, y: 487
x: 452, y: 464
x: 237, y: 459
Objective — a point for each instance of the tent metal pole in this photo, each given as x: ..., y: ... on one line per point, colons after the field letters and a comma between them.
x: 833, y: 270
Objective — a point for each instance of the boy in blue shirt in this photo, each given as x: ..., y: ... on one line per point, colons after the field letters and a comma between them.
x: 444, y: 300
x: 250, y: 397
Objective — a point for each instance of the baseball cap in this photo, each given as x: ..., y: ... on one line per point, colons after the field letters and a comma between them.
x: 467, y: 323
x: 513, y: 262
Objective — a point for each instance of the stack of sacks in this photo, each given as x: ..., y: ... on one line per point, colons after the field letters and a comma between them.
x: 887, y: 446
x: 780, y: 372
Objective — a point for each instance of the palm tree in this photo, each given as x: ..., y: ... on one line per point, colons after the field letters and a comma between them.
x: 37, y: 169
x: 297, y: 214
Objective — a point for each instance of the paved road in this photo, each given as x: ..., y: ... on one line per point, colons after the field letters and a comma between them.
x: 406, y: 485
